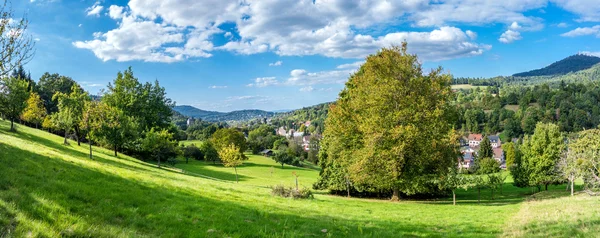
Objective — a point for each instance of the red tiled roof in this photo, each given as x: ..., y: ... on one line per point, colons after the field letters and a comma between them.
x: 477, y: 137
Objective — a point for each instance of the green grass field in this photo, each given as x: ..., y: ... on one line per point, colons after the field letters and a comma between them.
x: 51, y: 190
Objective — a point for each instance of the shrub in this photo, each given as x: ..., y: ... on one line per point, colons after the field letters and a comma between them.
x: 289, y: 192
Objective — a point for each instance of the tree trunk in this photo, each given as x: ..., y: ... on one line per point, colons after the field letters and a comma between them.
x: 158, y: 162
x: 115, y: 150
x: 77, y: 136
x: 546, y: 187
x: 12, y: 125
x: 236, y: 176
x: 572, y: 182
x: 453, y: 198
x: 186, y: 159
x: 282, y: 165
x: 395, y: 194
x: 478, y: 195
x: 65, y: 142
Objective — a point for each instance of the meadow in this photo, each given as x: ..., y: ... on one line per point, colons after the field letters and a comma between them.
x: 51, y: 190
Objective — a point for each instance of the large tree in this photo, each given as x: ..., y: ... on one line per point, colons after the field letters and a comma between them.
x: 13, y: 98
x: 159, y: 145
x: 540, y: 154
x: 390, y: 128
x: 146, y: 103
x: 583, y: 160
x: 115, y: 128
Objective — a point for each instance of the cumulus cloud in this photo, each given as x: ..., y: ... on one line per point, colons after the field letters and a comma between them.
x: 264, y: 82
x: 285, y: 27
x: 587, y: 10
x: 510, y: 36
x: 583, y: 31
x: 276, y: 63
x: 94, y: 10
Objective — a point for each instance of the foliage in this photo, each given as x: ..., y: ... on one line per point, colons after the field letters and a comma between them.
x: 285, y: 156
x: 488, y: 166
x: 541, y: 152
x: 485, y: 150
x: 511, y: 151
x: 159, y: 145
x: 113, y: 126
x: 70, y: 110
x: 50, y: 84
x: 192, y: 151
x: 315, y: 114
x: 289, y: 192
x: 583, y: 159
x: 390, y: 128
x: 232, y: 157
x: 146, y: 104
x: 16, y: 47
x: 13, y: 95
x: 226, y: 136
x: 35, y: 112
x: 209, y: 151
x: 261, y: 138
x: 203, y: 130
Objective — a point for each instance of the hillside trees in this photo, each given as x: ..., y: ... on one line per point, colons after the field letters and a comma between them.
x: 35, y: 112
x: 50, y: 84
x: 485, y: 150
x: 390, y: 127
x: 13, y: 97
x: 261, y: 138
x: 583, y: 160
x: 70, y: 110
x: 113, y: 126
x: 159, y: 145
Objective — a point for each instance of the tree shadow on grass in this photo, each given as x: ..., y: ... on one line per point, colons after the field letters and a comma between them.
x: 87, y: 202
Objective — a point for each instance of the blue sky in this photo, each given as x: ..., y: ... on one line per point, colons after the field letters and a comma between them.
x: 228, y: 55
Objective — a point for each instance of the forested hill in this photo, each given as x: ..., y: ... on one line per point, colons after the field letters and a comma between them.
x: 242, y: 115
x: 567, y: 65
x: 315, y: 114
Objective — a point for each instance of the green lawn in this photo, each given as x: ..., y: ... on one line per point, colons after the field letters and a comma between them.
x: 51, y: 190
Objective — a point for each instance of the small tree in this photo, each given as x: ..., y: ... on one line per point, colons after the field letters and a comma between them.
x: 13, y: 96
x: 477, y: 182
x: 35, y: 112
x: 159, y: 145
x: 210, y: 153
x: 510, y: 153
x: 283, y: 157
x: 541, y: 152
x: 115, y: 127
x: 231, y: 157
x: 191, y: 151
x: 71, y: 107
x: 488, y: 166
x: 92, y: 122
x: 452, y: 181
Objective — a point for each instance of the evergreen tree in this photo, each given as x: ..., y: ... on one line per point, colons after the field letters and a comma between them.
x: 485, y: 148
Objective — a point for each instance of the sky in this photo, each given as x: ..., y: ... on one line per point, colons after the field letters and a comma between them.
x: 226, y: 55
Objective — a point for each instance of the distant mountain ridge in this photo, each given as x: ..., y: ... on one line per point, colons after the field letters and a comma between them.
x: 567, y: 65
x: 241, y: 115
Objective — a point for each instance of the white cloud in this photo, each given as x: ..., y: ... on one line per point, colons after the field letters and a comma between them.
x: 217, y: 87
x: 305, y: 78
x: 307, y: 89
x: 354, y: 65
x: 515, y: 26
x: 94, y: 10
x: 510, y: 36
x: 116, y: 12
x: 285, y: 27
x: 276, y: 63
x: 86, y: 84
x: 597, y: 54
x: 587, y: 10
x: 264, y: 82
x: 562, y: 25
x: 583, y: 31
x: 80, y: 25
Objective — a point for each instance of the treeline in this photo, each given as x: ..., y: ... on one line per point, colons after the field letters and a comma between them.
x: 292, y: 120
x: 516, y: 110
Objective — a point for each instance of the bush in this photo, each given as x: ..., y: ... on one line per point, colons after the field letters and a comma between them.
x: 289, y: 192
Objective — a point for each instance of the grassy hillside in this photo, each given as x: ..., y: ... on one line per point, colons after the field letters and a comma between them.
x: 51, y: 190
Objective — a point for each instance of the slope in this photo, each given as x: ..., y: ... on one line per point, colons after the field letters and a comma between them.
x: 567, y: 65
x: 241, y: 115
x: 51, y: 190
